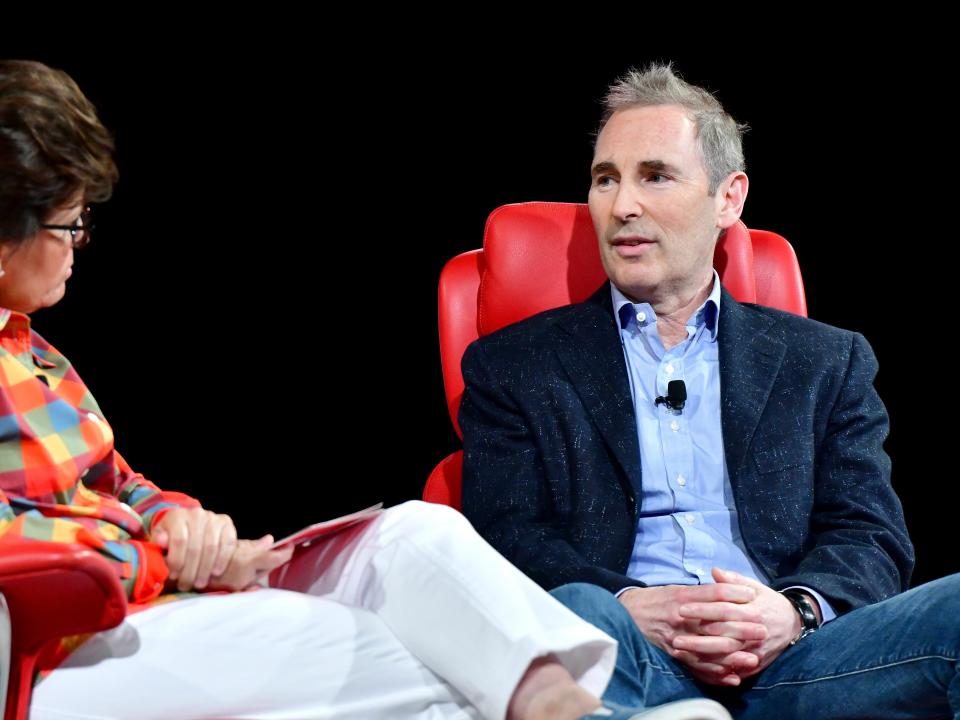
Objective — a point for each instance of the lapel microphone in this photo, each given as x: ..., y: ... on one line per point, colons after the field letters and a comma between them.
x: 676, y: 396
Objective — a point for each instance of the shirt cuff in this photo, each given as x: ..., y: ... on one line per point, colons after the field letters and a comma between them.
x: 623, y: 590
x: 152, y: 572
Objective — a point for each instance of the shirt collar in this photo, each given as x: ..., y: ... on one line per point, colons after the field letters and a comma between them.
x: 707, y: 314
x: 16, y: 326
x: 11, y: 320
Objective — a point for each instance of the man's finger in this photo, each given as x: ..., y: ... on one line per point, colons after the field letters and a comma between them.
x: 732, y: 628
x: 707, y: 644
x: 721, y: 611
x: 729, y: 679
x: 741, y: 661
x: 716, y: 592
x: 729, y: 576
x: 693, y: 661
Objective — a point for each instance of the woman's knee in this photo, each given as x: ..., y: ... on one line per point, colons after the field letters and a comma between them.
x: 416, y: 518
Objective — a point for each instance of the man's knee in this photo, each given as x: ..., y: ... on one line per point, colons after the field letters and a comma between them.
x: 940, y: 599
x: 596, y: 605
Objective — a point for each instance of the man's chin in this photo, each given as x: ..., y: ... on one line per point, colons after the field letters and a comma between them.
x: 641, y: 284
x: 635, y: 290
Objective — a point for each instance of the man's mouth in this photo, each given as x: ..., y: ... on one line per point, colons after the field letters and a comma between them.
x: 631, y: 240
x: 632, y: 245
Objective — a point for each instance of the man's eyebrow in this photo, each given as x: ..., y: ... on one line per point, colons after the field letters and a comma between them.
x: 607, y: 166
x: 659, y: 166
x: 602, y: 167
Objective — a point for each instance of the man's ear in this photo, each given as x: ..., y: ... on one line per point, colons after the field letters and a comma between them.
x: 731, y: 195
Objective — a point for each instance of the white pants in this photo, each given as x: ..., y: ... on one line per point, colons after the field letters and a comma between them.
x: 410, y: 616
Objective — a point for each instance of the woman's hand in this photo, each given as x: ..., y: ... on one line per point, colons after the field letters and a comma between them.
x: 199, y: 545
x: 252, y: 560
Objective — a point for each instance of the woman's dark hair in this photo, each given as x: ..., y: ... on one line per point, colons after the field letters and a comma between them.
x: 52, y: 146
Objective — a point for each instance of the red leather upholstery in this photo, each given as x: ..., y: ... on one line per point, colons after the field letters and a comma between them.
x: 52, y: 590
x: 541, y: 255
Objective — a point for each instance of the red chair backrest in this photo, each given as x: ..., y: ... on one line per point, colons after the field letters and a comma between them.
x: 541, y: 255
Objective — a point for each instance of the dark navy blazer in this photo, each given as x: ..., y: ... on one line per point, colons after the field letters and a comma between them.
x: 551, y: 474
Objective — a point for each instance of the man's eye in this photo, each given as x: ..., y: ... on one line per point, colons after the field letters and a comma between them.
x: 602, y: 180
x: 657, y: 178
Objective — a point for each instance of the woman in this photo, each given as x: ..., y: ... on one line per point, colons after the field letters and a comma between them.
x: 408, y: 615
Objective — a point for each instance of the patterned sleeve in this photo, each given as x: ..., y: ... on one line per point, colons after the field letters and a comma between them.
x: 139, y: 564
x: 129, y: 487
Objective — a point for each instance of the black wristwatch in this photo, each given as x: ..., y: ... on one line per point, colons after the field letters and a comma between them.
x: 808, y: 616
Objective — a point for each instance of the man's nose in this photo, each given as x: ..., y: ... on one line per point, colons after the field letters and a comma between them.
x: 628, y: 203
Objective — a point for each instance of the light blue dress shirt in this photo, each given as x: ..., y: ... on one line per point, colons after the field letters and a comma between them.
x: 688, y: 519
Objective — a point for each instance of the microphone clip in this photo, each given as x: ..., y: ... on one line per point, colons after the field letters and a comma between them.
x: 676, y: 396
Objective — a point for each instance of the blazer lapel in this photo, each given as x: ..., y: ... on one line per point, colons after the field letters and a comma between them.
x: 592, y: 355
x: 750, y: 360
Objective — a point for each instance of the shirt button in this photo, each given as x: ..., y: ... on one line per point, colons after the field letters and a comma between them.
x: 675, y: 426
x: 699, y: 571
x: 669, y: 369
x: 641, y: 316
x: 681, y: 480
x: 690, y: 518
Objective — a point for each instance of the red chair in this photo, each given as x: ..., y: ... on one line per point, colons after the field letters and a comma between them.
x: 48, y: 591
x: 539, y: 255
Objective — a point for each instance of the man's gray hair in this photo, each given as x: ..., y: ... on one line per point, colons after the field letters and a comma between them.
x: 719, y: 136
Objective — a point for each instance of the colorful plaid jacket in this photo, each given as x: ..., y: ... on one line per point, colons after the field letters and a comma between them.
x: 61, y: 479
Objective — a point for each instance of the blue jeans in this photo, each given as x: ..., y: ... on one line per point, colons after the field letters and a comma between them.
x: 894, y: 659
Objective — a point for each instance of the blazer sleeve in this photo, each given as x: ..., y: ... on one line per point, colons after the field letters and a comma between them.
x: 505, y: 488
x: 861, y: 552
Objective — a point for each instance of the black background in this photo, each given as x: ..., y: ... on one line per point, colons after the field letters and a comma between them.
x: 257, y: 312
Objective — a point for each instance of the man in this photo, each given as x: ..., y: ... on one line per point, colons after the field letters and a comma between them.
x: 730, y: 526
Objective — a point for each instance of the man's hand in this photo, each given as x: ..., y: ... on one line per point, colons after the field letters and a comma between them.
x: 715, y: 620
x: 253, y: 559
x: 723, y: 651
x: 199, y: 544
